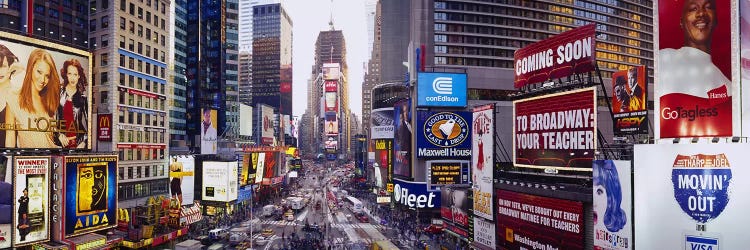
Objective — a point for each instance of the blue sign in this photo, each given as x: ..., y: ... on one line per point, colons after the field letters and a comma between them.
x: 441, y: 90
x: 443, y: 134
x: 701, y: 189
x: 701, y: 242
x: 245, y: 194
x: 415, y: 194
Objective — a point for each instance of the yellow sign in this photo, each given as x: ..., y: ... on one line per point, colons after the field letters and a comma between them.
x: 389, y: 188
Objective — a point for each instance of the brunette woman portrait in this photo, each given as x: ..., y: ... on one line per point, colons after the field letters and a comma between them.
x: 73, y: 108
x: 9, y: 68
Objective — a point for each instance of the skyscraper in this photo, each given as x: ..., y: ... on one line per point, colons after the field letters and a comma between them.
x: 177, y: 125
x: 373, y: 73
x: 272, y: 57
x: 211, y: 66
x: 245, y: 77
x: 65, y: 22
x: 131, y: 82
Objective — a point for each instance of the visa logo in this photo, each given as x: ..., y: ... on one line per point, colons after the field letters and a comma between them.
x: 701, y: 243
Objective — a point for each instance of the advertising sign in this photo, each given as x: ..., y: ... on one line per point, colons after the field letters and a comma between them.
x: 448, y: 172
x: 332, y: 102
x: 744, y: 28
x: 182, y: 178
x: 381, y: 123
x: 331, y: 126
x: 534, y: 222
x: 6, y: 202
x: 331, y: 86
x: 90, y: 193
x: 31, y: 196
x: 331, y: 143
x: 484, y: 233
x: 104, y: 131
x: 697, y: 188
x: 482, y: 158
x: 454, y: 209
x: 629, y: 101
x: 47, y: 117
x: 441, y: 89
x: 287, y: 124
x: 402, y: 139
x: 219, y: 181
x: 444, y: 134
x: 267, y: 119
x: 259, y: 161
x: 415, y: 194
x: 384, y: 156
x: 209, y: 136
x: 246, y: 120
x: 613, y: 226
x: 331, y: 71
x: 694, y: 84
x: 568, y: 53
x: 556, y: 130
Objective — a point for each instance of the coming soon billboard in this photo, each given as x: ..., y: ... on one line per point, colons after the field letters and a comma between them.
x: 90, y: 193
x: 570, y: 52
x: 219, y: 181
x: 209, y: 134
x: 58, y: 119
x: 535, y: 222
x: 696, y: 190
x: 555, y: 131
x: 182, y: 178
x: 629, y: 101
x: 31, y: 196
x: 694, y: 88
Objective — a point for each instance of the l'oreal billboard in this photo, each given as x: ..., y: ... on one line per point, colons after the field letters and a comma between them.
x: 444, y: 134
x: 441, y: 90
x: 55, y: 115
x: 90, y: 194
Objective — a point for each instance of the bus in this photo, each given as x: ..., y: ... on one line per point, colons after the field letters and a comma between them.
x: 354, y: 204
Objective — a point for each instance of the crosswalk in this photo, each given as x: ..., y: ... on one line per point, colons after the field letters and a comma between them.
x: 334, y: 225
x: 345, y: 240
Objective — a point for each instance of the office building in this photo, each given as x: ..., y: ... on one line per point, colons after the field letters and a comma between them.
x: 272, y: 58
x: 245, y: 77
x: 372, y: 74
x: 63, y: 22
x: 177, y: 121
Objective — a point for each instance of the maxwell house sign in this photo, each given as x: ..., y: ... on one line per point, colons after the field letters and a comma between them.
x: 700, y: 185
x: 444, y: 134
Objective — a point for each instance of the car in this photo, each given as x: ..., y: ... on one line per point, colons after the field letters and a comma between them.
x: 267, y: 232
x: 434, y: 229
x: 289, y: 215
x: 363, y: 218
x: 261, y: 241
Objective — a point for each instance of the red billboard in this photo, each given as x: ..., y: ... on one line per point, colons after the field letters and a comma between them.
x: 532, y: 222
x: 570, y: 52
x: 629, y: 101
x: 285, y: 87
x: 331, y: 86
x: 104, y: 131
x: 555, y: 131
x: 694, y: 82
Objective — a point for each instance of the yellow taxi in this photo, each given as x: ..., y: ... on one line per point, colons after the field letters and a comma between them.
x: 267, y: 232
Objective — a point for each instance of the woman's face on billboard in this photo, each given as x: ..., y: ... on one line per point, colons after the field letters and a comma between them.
x: 40, y: 76
x: 4, y: 71
x: 600, y: 194
x: 698, y: 21
x: 72, y: 75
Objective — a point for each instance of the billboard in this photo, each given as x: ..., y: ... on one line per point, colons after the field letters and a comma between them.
x: 556, y: 130
x: 56, y: 115
x: 454, y: 209
x: 259, y: 161
x: 744, y: 23
x: 331, y: 143
x: 31, y: 196
x: 384, y: 156
x: 441, y: 90
x: 90, y: 193
x: 629, y: 101
x: 332, y: 102
x: 402, y: 139
x: 6, y: 202
x: 484, y: 233
x: 565, y: 54
x: 698, y: 189
x: 331, y: 86
x: 331, y: 71
x: 209, y: 136
x: 219, y: 181
x: 182, y: 178
x: 267, y: 119
x: 287, y: 124
x: 612, y: 190
x: 104, y: 130
x: 381, y: 123
x: 331, y: 126
x: 530, y: 221
x: 693, y: 85
x: 444, y: 134
x: 448, y: 172
x: 415, y: 195
x: 246, y: 120
x: 249, y: 168
x: 482, y: 158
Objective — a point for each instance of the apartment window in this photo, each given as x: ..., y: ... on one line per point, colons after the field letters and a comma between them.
x: 92, y: 25
x: 139, y: 135
x: 130, y: 169
x: 148, y: 71
x: 148, y: 16
x: 140, y: 48
x: 441, y: 16
x: 131, y: 47
x: 132, y: 27
x: 105, y: 80
x: 441, y: 49
x: 122, y: 42
x: 140, y: 30
x: 147, y: 171
x: 105, y: 21
x: 130, y: 102
x: 105, y: 40
x: 122, y: 23
x: 122, y: 5
x: 140, y: 13
x: 163, y: 41
x: 163, y: 8
x: 148, y: 50
x: 105, y: 4
x: 132, y: 9
x: 131, y: 65
x: 441, y: 38
x: 439, y: 27
x: 162, y: 25
x: 148, y: 34
x: 140, y: 69
x: 92, y: 42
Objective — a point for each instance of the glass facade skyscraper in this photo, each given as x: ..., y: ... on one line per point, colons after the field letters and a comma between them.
x: 272, y: 58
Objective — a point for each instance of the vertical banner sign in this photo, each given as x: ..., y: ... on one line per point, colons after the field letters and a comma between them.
x: 537, y: 222
x: 381, y: 123
x: 629, y: 101
x: 745, y: 59
x: 182, y: 179
x: 90, y: 193
x: 384, y: 157
x: 555, y: 131
x: 402, y: 140
x: 698, y: 189
x: 209, y: 136
x: 31, y: 203
x: 482, y: 160
x: 104, y: 131
x: 259, y: 159
x: 6, y: 202
x: 613, y: 221
x: 484, y: 233
x: 565, y: 54
x: 267, y: 119
x: 454, y: 210
x: 694, y: 69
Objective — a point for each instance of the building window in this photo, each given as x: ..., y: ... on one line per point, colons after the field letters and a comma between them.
x: 130, y: 169
x: 122, y: 42
x: 105, y: 4
x: 441, y: 38
x: 147, y: 171
x: 105, y: 80
x: 105, y: 41
x: 122, y: 5
x: 92, y: 25
x: 105, y: 21
x: 105, y: 59
x: 122, y: 23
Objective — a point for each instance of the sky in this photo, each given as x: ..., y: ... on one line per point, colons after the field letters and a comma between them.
x: 309, y: 17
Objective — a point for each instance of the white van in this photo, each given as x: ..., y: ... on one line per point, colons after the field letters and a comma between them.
x: 238, y: 235
x: 268, y: 210
x: 217, y: 234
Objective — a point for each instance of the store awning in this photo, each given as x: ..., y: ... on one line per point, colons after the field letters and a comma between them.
x: 192, y: 214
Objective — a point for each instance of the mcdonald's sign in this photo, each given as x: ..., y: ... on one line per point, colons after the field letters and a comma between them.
x: 104, y: 129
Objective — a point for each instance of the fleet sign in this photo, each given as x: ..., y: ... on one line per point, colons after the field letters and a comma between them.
x: 444, y: 134
x: 415, y: 194
x: 441, y: 90
x: 570, y: 52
